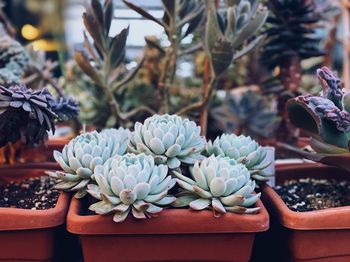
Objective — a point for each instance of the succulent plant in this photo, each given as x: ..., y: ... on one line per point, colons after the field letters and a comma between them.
x: 82, y: 154
x: 247, y: 114
x: 103, y: 60
x: 180, y: 19
x: 131, y: 183
x: 227, y: 37
x: 291, y: 37
x: 244, y: 150
x: 14, y: 60
x: 65, y: 107
x: 326, y: 118
x: 169, y: 139
x: 218, y: 183
x: 25, y: 115
x: 227, y: 33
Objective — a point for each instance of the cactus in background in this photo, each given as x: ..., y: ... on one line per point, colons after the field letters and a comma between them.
x: 218, y: 183
x: 106, y: 56
x: 169, y: 139
x: 245, y: 151
x: 82, y: 154
x: 180, y: 19
x: 131, y: 183
x: 291, y: 38
x: 326, y: 118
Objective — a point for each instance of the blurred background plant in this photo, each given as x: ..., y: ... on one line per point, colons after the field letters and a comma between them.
x: 246, y: 112
x: 196, y: 58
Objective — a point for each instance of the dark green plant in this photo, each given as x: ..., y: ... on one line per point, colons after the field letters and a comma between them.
x: 248, y: 114
x: 291, y: 37
x: 103, y: 59
x: 326, y: 118
x: 180, y: 19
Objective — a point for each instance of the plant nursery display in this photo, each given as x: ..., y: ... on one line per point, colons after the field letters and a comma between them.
x: 163, y: 170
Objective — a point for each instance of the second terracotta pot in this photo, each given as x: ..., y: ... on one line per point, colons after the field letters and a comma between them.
x: 322, y: 235
x: 176, y: 235
x: 29, y: 235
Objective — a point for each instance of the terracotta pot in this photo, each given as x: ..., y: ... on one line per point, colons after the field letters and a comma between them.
x: 42, y: 165
x: 28, y: 235
x: 321, y: 235
x: 44, y: 153
x: 176, y: 235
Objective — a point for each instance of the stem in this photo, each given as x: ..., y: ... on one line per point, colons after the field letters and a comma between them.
x: 291, y: 78
x: 291, y: 74
x: 203, y: 118
x: 113, y: 104
x: 169, y: 70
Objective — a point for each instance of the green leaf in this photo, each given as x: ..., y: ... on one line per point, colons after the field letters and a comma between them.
x: 117, y: 51
x: 129, y: 76
x: 338, y: 160
x: 90, y: 49
x: 192, y: 15
x: 97, y: 10
x: 92, y: 26
x: 143, y: 12
x: 169, y: 7
x: 248, y: 47
x: 108, y: 9
x: 85, y: 65
x: 251, y: 27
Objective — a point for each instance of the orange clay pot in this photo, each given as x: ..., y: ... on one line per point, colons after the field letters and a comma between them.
x: 28, y: 235
x: 43, y: 153
x: 175, y: 235
x: 321, y: 236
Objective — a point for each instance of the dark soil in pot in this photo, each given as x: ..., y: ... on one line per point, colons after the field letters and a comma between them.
x: 310, y: 194
x: 33, y: 193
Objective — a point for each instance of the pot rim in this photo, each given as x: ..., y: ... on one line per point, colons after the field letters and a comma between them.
x: 24, y: 219
x: 170, y: 221
x: 330, y: 218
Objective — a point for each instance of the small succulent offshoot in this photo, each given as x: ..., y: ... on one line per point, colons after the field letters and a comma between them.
x: 169, y: 139
x: 81, y: 155
x: 244, y: 150
x: 218, y: 183
x: 131, y: 184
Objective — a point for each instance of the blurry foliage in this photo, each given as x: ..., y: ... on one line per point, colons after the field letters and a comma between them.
x: 247, y: 113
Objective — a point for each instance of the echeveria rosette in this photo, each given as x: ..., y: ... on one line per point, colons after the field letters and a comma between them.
x: 25, y: 115
x: 218, y: 183
x: 244, y: 150
x: 170, y: 139
x: 82, y: 154
x: 131, y: 184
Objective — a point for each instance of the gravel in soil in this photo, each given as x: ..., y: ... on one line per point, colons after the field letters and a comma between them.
x: 33, y: 193
x: 314, y: 194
